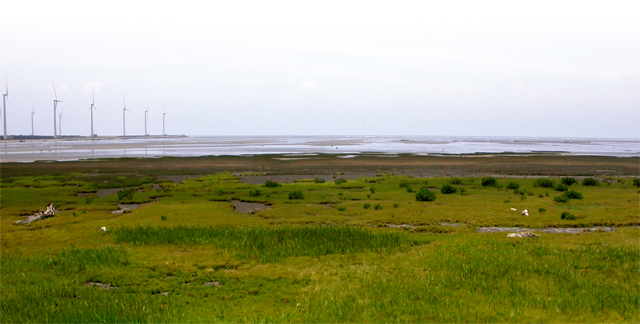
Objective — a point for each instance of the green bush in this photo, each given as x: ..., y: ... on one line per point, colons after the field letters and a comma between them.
x: 463, y: 192
x: 572, y: 194
x: 636, y: 182
x: 396, y: 205
x: 342, y: 208
x: 568, y: 181
x: 544, y: 183
x: 367, y: 205
x: 513, y: 185
x: 409, y: 189
x: 126, y: 194
x: 318, y: 180
x: 340, y: 181
x: 561, y: 199
x: 425, y: 194
x: 561, y: 187
x: 254, y: 193
x: 447, y: 189
x: 271, y: 184
x: 590, y: 182
x: 377, y: 207
x: 296, y: 194
x: 542, y: 210
x: 372, y: 190
x: 405, y: 184
x: 455, y: 181
x: 567, y: 216
x: 489, y: 182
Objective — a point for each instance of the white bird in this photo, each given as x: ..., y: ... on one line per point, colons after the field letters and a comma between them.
x: 525, y: 213
x: 104, y: 229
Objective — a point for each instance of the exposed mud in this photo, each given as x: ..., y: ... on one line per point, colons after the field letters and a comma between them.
x: 247, y: 207
x: 571, y: 230
x: 212, y: 283
x: 99, y: 285
x: 125, y: 208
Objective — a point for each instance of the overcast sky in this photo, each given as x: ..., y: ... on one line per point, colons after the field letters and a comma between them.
x: 459, y: 68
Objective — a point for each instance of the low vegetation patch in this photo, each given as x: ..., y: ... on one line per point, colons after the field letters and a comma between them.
x: 425, y: 194
x: 489, y: 182
x: 268, y: 244
x: 544, y: 183
x: 447, y: 189
x: 590, y: 182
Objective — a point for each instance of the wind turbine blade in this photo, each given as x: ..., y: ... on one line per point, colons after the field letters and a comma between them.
x: 125, y: 102
x: 54, y: 90
x: 93, y: 98
x: 6, y: 83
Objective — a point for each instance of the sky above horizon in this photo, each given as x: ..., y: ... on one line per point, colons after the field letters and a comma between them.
x: 460, y: 68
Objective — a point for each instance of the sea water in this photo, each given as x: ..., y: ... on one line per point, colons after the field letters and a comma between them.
x: 342, y: 146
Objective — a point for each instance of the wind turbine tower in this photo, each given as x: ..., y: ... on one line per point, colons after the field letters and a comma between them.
x: 4, y: 108
x: 124, y: 110
x: 60, y: 123
x: 163, y: 132
x: 33, y: 112
x: 55, y: 106
x: 93, y: 106
x: 146, y: 115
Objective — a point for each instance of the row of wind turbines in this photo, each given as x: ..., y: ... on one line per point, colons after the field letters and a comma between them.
x: 57, y: 122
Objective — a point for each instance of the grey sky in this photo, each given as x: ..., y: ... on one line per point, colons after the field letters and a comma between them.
x: 567, y: 69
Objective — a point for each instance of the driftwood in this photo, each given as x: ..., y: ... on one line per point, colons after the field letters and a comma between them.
x: 50, y: 212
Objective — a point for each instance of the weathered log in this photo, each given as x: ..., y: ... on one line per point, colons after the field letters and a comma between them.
x: 49, y: 212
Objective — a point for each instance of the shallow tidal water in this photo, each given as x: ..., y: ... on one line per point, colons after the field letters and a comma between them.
x: 303, y: 147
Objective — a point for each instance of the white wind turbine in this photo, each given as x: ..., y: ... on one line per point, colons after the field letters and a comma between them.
x: 163, y: 115
x: 124, y: 110
x: 93, y: 106
x: 33, y: 113
x: 55, y: 106
x: 60, y: 123
x: 4, y: 107
x: 146, y: 116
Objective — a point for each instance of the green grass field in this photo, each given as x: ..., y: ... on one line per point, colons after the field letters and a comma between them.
x: 185, y: 255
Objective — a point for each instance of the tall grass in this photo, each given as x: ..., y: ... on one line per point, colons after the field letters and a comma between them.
x: 492, y: 281
x: 268, y: 244
x: 47, y: 290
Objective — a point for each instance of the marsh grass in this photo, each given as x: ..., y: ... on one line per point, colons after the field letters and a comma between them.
x: 480, y: 280
x: 268, y: 244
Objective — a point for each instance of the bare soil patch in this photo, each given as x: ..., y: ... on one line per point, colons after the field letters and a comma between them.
x: 248, y: 207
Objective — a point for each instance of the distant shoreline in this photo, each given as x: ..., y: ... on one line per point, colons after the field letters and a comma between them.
x: 47, y: 138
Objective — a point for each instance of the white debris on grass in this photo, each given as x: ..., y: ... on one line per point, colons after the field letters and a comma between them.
x: 523, y: 234
x: 104, y: 229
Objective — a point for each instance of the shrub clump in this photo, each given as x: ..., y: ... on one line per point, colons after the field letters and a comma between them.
x: 572, y: 194
x: 271, y: 184
x: 561, y: 187
x: 590, y: 182
x: 367, y: 205
x: 561, y: 199
x: 447, y: 189
x: 318, y: 180
x: 254, y: 193
x: 340, y: 181
x: 489, y: 182
x: 567, y: 216
x: 455, y: 181
x: 513, y: 185
x: 425, y: 194
x: 377, y: 207
x: 568, y: 181
x: 296, y: 194
x: 544, y: 183
x: 126, y: 194
x: 636, y: 182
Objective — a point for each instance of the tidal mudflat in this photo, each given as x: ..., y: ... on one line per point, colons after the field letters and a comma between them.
x: 343, y: 240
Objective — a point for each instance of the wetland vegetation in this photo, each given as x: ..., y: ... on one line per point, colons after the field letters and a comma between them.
x: 187, y: 255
